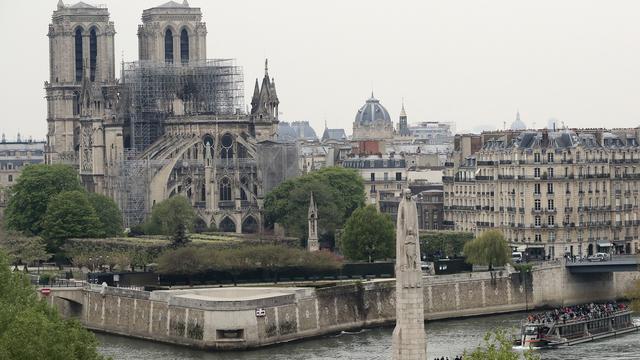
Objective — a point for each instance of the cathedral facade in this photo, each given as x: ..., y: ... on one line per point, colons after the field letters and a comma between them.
x: 173, y: 123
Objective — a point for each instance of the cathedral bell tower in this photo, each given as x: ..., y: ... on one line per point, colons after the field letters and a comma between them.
x: 80, y: 46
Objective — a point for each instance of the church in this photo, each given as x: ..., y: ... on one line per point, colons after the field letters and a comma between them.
x: 173, y: 122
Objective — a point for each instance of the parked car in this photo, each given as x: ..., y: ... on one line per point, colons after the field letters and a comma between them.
x: 599, y: 257
x: 516, y: 257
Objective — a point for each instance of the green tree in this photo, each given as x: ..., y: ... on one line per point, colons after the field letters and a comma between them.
x: 31, y: 329
x: 497, y: 346
x: 23, y: 249
x: 30, y: 195
x: 444, y: 243
x: 69, y: 215
x: 634, y: 296
x: 168, y: 215
x: 368, y: 235
x: 288, y: 205
x: 348, y: 183
x: 488, y: 249
x: 108, y: 213
x: 180, y: 238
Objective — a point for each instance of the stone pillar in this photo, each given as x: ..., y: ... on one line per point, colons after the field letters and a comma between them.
x: 409, y: 337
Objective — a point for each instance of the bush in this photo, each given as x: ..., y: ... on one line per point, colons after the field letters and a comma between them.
x: 368, y: 235
x: 168, y: 215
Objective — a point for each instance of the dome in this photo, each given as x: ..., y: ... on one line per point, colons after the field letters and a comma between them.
x: 371, y: 112
x: 518, y: 124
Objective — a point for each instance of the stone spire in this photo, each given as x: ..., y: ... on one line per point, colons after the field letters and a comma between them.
x: 403, y: 126
x: 60, y: 5
x: 312, y: 241
x: 409, y: 338
x: 256, y: 95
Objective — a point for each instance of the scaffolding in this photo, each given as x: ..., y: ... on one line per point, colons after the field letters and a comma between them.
x: 277, y: 161
x: 155, y: 92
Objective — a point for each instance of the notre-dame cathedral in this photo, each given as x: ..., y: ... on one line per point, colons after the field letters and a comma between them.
x: 173, y: 122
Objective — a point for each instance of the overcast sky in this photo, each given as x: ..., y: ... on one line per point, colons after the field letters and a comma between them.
x: 467, y: 61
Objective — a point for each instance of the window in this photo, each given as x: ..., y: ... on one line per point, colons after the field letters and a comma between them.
x: 536, y: 172
x: 538, y: 237
x: 78, y: 54
x: 536, y: 204
x: 550, y: 157
x: 225, y: 189
x: 549, y: 188
x: 398, y: 176
x: 386, y: 176
x: 536, y: 157
x: 536, y: 188
x: 550, y: 172
x: 226, y: 146
x: 550, y: 204
x: 552, y: 236
x: 10, y: 178
x: 373, y: 176
x: 551, y: 220
x: 168, y: 47
x: 93, y: 53
x: 567, y: 189
x: 537, y: 221
x: 184, y: 46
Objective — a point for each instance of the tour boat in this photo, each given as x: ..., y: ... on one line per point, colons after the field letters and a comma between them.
x: 552, y: 331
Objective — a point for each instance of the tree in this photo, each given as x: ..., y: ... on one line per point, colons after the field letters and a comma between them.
x: 634, y: 296
x: 30, y: 195
x: 108, y: 213
x: 23, y: 249
x: 69, y: 215
x: 288, y: 204
x: 168, y: 215
x: 31, y: 329
x: 348, y: 183
x: 489, y: 249
x: 444, y: 243
x: 180, y: 238
x: 368, y: 235
x: 497, y: 346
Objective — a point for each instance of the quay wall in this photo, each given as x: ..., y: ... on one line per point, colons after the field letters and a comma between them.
x: 307, y: 312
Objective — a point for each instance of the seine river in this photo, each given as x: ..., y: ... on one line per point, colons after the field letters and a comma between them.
x: 444, y: 338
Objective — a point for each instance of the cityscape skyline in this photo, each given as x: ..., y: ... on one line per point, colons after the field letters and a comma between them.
x: 479, y: 63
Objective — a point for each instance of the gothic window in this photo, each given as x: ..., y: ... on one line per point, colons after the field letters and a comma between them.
x: 78, y: 54
x: 184, y: 46
x: 168, y: 47
x: 93, y: 53
x: 76, y: 103
x: 226, y: 143
x: 225, y: 189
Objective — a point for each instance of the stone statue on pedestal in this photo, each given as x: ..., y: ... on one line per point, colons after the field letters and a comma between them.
x: 409, y: 338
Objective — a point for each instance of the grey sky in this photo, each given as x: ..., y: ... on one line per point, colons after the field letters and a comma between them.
x: 469, y: 61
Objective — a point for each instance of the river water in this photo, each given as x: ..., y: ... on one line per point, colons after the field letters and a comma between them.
x: 444, y: 338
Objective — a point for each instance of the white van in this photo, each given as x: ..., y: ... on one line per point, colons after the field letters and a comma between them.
x: 516, y: 257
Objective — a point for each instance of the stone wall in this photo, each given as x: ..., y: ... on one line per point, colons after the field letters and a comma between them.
x: 188, y: 319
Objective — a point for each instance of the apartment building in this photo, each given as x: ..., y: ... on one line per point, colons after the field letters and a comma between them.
x: 550, y: 192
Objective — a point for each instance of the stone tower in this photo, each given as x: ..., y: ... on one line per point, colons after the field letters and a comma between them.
x: 172, y: 33
x: 312, y: 242
x: 409, y: 338
x: 80, y: 47
x: 403, y: 127
x: 264, y: 107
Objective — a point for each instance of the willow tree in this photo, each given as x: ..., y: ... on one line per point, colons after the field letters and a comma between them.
x: 489, y: 249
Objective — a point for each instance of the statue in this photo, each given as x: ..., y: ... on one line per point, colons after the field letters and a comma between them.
x: 409, y: 338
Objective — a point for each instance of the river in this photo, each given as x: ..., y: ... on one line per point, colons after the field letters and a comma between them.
x: 444, y: 338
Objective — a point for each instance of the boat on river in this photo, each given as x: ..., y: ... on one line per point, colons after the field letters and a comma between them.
x: 575, y: 325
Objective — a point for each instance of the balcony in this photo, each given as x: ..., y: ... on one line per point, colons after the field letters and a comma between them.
x: 484, y: 162
x: 568, y: 209
x: 448, y: 164
x: 484, y: 178
x: 227, y: 204
x: 505, y: 177
x: 550, y: 210
x: 536, y: 210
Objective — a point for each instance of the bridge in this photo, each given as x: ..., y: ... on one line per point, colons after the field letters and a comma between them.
x: 615, y: 264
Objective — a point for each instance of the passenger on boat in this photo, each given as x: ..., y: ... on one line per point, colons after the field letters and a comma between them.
x: 577, y: 312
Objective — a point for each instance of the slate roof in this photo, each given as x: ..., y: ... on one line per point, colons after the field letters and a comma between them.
x: 334, y: 134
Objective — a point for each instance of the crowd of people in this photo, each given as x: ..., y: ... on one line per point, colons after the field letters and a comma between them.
x: 459, y: 357
x: 576, y: 313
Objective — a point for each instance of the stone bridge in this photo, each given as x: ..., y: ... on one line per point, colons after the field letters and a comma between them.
x: 616, y: 264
